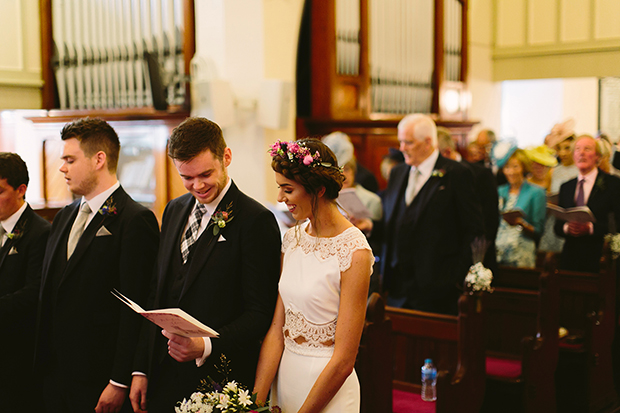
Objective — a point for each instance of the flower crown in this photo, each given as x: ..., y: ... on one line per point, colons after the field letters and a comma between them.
x: 299, y: 153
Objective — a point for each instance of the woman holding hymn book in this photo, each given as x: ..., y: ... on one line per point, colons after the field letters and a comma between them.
x: 522, y: 207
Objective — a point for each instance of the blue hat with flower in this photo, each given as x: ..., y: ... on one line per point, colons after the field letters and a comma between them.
x: 502, y: 150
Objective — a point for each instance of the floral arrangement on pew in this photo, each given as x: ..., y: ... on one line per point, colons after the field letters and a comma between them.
x: 227, y: 397
x: 479, y: 277
x: 614, y: 244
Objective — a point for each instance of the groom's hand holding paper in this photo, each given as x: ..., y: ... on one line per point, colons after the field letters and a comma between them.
x: 184, y: 349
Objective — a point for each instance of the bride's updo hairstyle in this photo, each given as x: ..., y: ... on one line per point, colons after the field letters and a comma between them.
x: 310, y: 163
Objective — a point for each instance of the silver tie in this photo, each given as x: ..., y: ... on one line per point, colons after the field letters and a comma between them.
x: 78, y: 228
x: 410, y: 192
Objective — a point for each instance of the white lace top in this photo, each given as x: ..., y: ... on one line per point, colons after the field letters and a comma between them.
x: 310, y: 287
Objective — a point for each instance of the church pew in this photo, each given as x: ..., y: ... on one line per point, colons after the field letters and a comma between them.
x: 373, y: 364
x: 584, y: 377
x: 522, y: 345
x: 455, y: 343
x: 587, y: 310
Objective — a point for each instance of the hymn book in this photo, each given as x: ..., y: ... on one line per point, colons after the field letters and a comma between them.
x: 173, y: 320
x: 577, y: 214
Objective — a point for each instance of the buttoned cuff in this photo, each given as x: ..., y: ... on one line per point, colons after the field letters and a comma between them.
x: 206, y: 353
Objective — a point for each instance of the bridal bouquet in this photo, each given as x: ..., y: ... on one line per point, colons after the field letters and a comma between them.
x: 228, y: 397
x: 231, y: 398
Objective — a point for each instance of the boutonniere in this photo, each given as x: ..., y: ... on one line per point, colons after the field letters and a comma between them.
x: 17, y: 232
x: 219, y: 219
x: 438, y: 173
x: 108, y: 208
x: 600, y: 183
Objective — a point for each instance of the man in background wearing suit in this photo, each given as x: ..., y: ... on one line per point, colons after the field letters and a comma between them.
x: 102, y: 241
x: 219, y: 261
x: 486, y: 189
x: 598, y: 191
x: 23, y: 235
x: 431, y: 216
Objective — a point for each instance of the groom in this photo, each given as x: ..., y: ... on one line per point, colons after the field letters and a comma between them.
x: 218, y: 261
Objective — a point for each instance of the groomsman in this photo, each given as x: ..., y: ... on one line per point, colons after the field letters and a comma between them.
x: 219, y: 260
x: 102, y: 241
x: 23, y: 235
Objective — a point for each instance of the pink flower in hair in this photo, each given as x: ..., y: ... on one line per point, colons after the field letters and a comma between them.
x: 308, y: 159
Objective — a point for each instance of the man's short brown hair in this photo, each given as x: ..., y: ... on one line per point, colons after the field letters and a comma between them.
x: 94, y: 135
x: 193, y: 137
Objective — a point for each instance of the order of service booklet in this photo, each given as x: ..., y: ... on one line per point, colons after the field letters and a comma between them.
x: 575, y: 214
x: 352, y: 204
x: 173, y: 320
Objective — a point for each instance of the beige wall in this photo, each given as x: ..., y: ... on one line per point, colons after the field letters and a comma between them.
x: 555, y: 38
x: 20, y: 60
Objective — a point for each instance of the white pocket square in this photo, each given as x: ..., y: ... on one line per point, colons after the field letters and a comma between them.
x: 221, y: 238
x: 13, y: 251
x: 103, y: 231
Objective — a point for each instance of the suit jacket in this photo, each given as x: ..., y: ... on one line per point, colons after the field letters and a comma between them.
x: 584, y: 253
x: 430, y: 242
x: 20, y: 278
x: 230, y: 284
x: 84, y: 332
x: 486, y: 187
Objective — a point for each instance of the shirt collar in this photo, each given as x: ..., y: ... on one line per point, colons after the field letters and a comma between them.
x: 9, y: 223
x: 96, y: 202
x: 211, y: 206
x: 427, y: 165
x: 589, y: 177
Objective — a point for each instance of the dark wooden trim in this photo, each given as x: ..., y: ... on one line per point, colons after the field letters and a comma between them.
x: 438, y: 75
x: 464, y: 41
x: 189, y: 40
x: 48, y: 91
x: 133, y: 114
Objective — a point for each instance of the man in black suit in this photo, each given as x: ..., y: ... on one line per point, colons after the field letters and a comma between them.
x: 103, y: 241
x: 431, y: 216
x: 598, y: 191
x: 219, y: 261
x: 486, y: 189
x: 23, y: 235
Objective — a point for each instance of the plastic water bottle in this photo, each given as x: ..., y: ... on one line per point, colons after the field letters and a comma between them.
x: 429, y: 381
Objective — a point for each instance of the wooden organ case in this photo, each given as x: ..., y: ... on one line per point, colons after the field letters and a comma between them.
x: 364, y: 64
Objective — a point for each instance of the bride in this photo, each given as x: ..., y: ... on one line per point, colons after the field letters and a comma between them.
x: 309, y: 352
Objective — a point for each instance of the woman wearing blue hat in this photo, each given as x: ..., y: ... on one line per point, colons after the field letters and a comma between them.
x: 522, y: 206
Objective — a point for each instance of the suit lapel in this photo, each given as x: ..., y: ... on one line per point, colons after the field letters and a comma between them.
x: 171, y: 243
x: 57, y: 236
x: 21, y: 226
x: 207, y: 241
x: 391, y: 202
x: 119, y: 198
x: 599, y: 184
x: 426, y: 192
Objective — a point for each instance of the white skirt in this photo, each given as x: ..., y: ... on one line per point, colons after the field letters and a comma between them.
x: 296, y: 376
